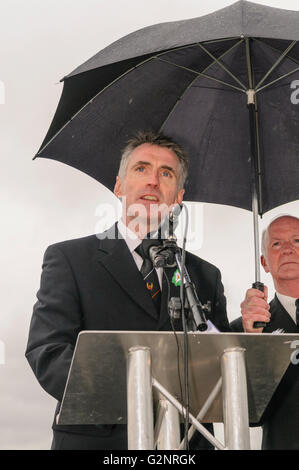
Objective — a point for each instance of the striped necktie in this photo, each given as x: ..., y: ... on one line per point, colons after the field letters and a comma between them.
x: 150, y: 278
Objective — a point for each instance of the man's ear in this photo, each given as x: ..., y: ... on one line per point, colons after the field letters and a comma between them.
x: 180, y: 194
x: 264, y: 264
x: 117, y: 187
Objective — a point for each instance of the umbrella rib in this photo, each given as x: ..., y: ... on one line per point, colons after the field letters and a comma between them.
x: 275, y: 49
x: 224, y: 53
x: 274, y: 66
x: 277, y: 80
x: 214, y: 41
x: 222, y: 65
x: 196, y: 44
x: 248, y: 62
x: 191, y: 83
x: 180, y: 48
x: 158, y: 56
x: 176, y: 103
x: 200, y: 74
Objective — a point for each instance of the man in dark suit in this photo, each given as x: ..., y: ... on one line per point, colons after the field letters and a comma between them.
x: 280, y: 257
x: 95, y: 283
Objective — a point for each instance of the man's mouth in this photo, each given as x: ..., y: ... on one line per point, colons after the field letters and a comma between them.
x: 149, y: 197
x: 288, y: 262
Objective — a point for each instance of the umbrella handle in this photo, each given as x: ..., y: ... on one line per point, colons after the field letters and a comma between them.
x: 260, y: 286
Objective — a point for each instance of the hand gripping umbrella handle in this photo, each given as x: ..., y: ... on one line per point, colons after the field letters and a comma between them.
x: 260, y: 286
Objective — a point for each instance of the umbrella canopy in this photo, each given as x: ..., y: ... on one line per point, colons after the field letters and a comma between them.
x: 192, y: 80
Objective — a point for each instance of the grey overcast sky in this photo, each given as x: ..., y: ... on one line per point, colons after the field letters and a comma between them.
x: 43, y: 201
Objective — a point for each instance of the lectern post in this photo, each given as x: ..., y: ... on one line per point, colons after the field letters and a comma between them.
x: 139, y: 399
x: 235, y: 400
x: 169, y: 432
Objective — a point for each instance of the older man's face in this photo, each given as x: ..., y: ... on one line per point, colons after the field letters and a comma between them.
x: 282, y: 250
x: 151, y: 181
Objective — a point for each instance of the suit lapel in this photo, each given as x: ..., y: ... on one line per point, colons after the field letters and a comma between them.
x: 114, y: 255
x: 280, y: 319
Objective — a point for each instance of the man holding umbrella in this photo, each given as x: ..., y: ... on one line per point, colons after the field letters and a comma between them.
x: 280, y: 258
x: 97, y: 282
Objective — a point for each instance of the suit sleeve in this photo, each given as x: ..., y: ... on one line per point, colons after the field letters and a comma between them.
x: 237, y: 325
x: 55, y: 323
x: 219, y: 314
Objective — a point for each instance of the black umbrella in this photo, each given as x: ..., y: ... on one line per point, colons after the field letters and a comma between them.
x: 221, y: 85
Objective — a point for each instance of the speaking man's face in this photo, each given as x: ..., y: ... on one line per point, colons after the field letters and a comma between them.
x: 282, y: 250
x: 149, y: 188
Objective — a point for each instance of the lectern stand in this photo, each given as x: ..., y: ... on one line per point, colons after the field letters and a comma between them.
x: 132, y: 377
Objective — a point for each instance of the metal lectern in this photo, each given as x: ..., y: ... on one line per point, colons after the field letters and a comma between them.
x: 133, y: 377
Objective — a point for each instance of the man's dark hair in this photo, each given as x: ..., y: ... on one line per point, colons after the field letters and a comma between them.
x: 154, y: 138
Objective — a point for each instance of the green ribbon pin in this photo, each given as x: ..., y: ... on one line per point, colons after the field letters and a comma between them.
x: 176, y: 278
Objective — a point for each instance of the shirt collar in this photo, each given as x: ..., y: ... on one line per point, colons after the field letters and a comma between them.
x: 288, y: 303
x: 128, y: 235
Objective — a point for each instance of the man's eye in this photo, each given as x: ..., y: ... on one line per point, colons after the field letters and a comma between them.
x: 276, y: 244
x: 166, y: 173
x: 140, y: 169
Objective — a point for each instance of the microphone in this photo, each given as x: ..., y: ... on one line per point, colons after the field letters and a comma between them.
x: 148, y: 244
x: 155, y: 251
x: 170, y: 223
x: 161, y: 246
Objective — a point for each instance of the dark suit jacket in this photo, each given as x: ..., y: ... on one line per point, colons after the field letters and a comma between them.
x: 94, y: 284
x: 281, y: 419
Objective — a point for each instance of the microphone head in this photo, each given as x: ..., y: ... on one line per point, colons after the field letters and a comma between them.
x: 170, y: 222
x: 149, y: 243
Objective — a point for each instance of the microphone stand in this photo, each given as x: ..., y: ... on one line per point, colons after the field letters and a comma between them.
x: 198, y: 320
x: 168, y: 255
x: 191, y: 313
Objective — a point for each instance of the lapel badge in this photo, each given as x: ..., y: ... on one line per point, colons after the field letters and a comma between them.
x: 176, y: 278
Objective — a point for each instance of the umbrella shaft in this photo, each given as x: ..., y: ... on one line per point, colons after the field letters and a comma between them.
x: 256, y: 237
x: 256, y: 201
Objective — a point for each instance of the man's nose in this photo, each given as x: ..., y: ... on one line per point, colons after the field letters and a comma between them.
x: 153, y: 178
x: 287, y: 246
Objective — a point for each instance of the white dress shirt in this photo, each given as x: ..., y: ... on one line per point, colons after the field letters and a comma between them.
x: 289, y: 304
x: 132, y: 242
